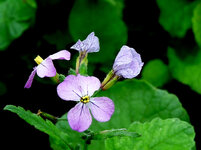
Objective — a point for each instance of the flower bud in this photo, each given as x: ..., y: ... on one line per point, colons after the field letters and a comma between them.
x: 128, y: 63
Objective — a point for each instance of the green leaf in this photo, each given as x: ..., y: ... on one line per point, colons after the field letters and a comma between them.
x: 156, y: 72
x: 104, y: 17
x: 157, y: 135
x: 196, y: 20
x: 15, y: 17
x: 3, y: 88
x: 137, y: 100
x: 39, y: 123
x: 187, y: 70
x: 175, y: 16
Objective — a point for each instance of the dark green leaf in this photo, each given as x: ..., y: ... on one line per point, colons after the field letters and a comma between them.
x: 158, y: 135
x: 15, y: 17
x: 156, y: 72
x: 3, y: 88
x: 104, y: 17
x: 197, y: 23
x: 187, y: 70
x: 39, y: 123
x: 176, y: 16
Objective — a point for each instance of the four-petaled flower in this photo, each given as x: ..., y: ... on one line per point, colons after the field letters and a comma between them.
x: 80, y: 88
x: 46, y: 67
x: 128, y: 63
x: 89, y: 45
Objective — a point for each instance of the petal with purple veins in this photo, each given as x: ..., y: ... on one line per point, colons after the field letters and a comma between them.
x: 70, y: 89
x: 30, y: 80
x: 46, y: 68
x: 79, y: 117
x: 101, y: 108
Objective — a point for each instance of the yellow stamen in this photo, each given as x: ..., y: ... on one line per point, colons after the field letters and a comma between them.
x: 84, y: 99
x: 38, y: 60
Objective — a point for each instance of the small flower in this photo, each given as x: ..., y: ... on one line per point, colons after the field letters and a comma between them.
x: 128, y: 63
x: 89, y: 45
x: 46, y: 67
x: 80, y: 88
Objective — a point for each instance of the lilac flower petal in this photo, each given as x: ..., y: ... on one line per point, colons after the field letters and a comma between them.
x: 30, y: 80
x: 79, y: 117
x: 89, y: 84
x: 46, y: 68
x: 70, y: 89
x: 101, y: 108
x: 63, y: 54
x: 90, y: 44
x: 128, y: 63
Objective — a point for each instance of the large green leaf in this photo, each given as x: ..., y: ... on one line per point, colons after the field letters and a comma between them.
x: 104, y: 17
x: 187, y: 70
x: 197, y: 23
x: 15, y: 17
x: 158, y: 134
x: 156, y: 72
x: 175, y: 16
x: 39, y: 123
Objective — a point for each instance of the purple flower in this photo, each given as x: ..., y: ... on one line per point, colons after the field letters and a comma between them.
x: 128, y: 63
x: 46, y: 67
x: 89, y: 45
x: 80, y: 88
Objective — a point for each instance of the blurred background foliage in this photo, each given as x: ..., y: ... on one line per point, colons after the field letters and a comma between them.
x: 167, y: 34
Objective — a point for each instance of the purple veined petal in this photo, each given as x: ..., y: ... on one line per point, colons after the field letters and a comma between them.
x: 89, y: 84
x: 30, y: 80
x: 79, y: 117
x: 128, y: 63
x: 46, y: 68
x: 63, y: 54
x: 70, y: 89
x: 101, y: 108
x: 79, y: 46
x: 130, y: 70
x: 91, y: 43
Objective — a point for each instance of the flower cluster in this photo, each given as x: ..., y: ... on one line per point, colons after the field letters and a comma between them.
x: 81, y: 89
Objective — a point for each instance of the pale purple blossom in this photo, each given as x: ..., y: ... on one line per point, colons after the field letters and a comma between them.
x: 46, y: 67
x: 128, y: 63
x: 81, y: 88
x: 89, y: 45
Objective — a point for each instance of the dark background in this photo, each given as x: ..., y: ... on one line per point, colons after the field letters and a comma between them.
x: 145, y: 34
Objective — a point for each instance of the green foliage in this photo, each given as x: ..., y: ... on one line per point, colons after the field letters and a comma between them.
x: 105, y: 19
x: 3, y: 88
x: 156, y: 72
x: 187, y: 70
x: 197, y: 23
x: 39, y: 123
x: 15, y: 17
x: 139, y: 101
x: 175, y: 16
x: 157, y: 134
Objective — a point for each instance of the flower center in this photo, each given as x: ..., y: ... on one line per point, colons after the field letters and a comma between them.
x: 84, y: 99
x: 38, y: 60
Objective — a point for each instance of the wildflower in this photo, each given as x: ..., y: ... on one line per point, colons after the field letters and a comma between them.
x: 46, y: 67
x: 127, y: 64
x: 89, y: 45
x: 80, y: 88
